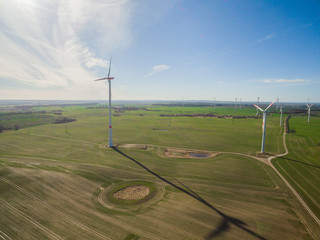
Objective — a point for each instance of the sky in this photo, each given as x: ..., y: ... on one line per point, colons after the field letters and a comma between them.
x: 160, y: 49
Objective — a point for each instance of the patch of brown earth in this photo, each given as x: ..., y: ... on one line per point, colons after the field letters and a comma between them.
x: 132, y: 146
x: 188, y: 153
x: 134, y: 192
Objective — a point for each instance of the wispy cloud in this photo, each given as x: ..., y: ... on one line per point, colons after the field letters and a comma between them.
x: 54, y: 44
x: 158, y: 68
x: 286, y: 81
x: 265, y: 38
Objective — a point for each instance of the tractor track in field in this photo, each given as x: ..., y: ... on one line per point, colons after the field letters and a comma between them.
x: 31, y: 220
x: 65, y: 216
x: 61, y: 138
x: 303, y: 203
x: 4, y: 236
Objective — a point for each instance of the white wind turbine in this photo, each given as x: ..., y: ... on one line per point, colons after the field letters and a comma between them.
x: 281, y: 116
x: 264, y: 123
x: 110, y: 124
x: 309, y: 109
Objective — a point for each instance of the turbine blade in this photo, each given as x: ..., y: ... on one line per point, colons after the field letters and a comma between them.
x: 109, y: 67
x: 311, y: 105
x: 270, y: 105
x: 308, y: 105
x: 258, y: 107
x: 100, y: 79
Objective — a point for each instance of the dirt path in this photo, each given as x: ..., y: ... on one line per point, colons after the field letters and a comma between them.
x: 288, y: 184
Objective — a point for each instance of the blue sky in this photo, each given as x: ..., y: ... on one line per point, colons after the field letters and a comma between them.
x: 161, y: 49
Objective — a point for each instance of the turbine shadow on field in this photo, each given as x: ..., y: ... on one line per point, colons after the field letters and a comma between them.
x: 303, y: 163
x: 226, y: 220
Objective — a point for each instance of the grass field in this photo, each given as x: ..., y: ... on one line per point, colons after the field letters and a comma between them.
x: 53, y: 178
x: 301, y: 166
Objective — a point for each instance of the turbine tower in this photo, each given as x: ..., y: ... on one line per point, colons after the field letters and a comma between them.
x: 264, y: 123
x: 280, y: 116
x: 309, y: 109
x: 235, y: 106
x: 110, y: 144
x: 277, y: 103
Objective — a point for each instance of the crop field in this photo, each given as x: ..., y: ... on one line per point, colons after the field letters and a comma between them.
x: 57, y: 180
x: 302, y: 165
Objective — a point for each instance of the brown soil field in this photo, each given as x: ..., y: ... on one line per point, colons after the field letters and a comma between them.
x: 132, y: 146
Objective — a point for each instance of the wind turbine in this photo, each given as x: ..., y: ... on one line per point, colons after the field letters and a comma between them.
x: 277, y: 104
x: 235, y: 106
x: 257, y: 108
x: 280, y: 116
x: 309, y: 109
x: 110, y: 124
x: 264, y: 123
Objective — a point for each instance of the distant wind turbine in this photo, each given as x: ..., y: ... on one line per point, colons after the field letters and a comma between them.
x: 110, y: 123
x: 264, y: 123
x: 257, y: 104
x: 309, y: 109
x: 235, y: 106
x: 280, y: 116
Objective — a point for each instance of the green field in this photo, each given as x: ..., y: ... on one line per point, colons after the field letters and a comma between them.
x: 55, y: 176
x: 301, y: 166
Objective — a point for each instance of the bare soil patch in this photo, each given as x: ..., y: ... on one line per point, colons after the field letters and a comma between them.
x: 135, y: 192
x: 133, y: 146
x: 188, y: 153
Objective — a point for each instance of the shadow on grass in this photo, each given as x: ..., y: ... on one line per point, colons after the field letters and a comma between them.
x: 303, y: 163
x: 226, y: 220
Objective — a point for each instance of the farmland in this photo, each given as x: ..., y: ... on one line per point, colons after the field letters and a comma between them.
x: 56, y: 180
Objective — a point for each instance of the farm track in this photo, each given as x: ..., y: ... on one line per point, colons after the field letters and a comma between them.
x: 289, y: 185
x: 31, y: 220
x: 65, y: 216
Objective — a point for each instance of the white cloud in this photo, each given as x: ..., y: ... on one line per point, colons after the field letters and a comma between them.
x: 267, y: 37
x: 158, y: 68
x: 51, y: 44
x: 286, y: 81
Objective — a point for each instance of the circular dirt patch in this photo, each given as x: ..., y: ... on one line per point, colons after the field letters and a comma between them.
x: 135, y: 192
